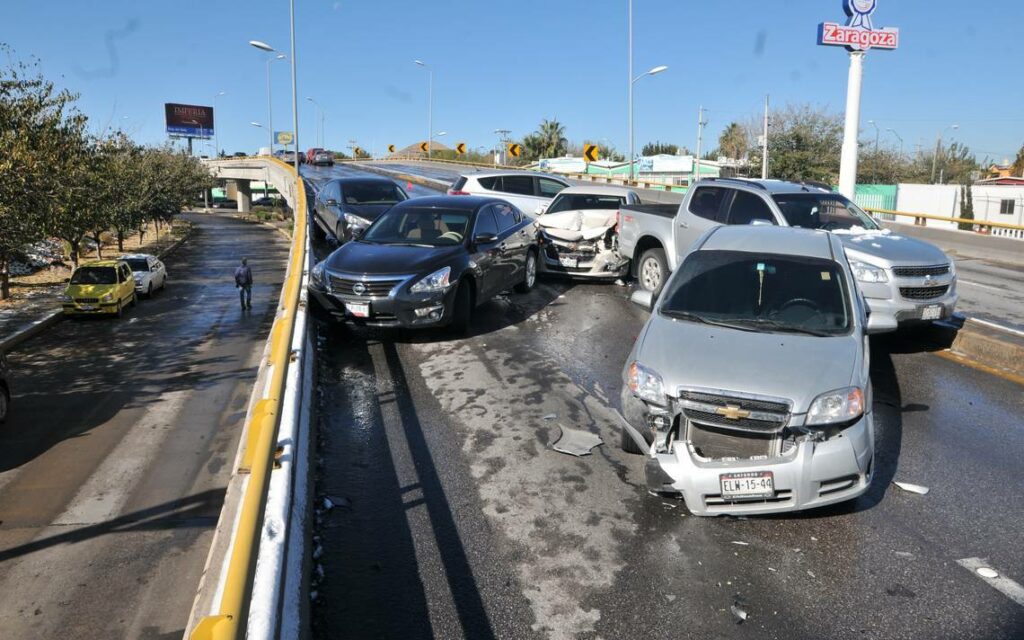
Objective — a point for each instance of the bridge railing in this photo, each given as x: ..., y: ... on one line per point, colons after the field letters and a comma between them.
x: 257, y: 537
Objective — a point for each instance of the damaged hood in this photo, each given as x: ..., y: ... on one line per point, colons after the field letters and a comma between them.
x: 581, y: 224
x: 886, y: 249
x: 782, y: 365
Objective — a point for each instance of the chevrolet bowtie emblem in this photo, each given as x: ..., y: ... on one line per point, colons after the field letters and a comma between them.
x: 732, y: 412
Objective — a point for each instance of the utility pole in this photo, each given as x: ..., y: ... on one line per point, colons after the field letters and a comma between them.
x: 764, y: 143
x: 700, y: 138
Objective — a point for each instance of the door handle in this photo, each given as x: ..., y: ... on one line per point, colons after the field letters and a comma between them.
x: 684, y: 225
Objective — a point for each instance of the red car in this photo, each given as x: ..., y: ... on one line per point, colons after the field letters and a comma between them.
x: 311, y: 153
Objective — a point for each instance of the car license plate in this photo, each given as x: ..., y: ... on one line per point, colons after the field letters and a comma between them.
x: 359, y: 310
x: 572, y: 263
x: 932, y: 312
x: 749, y: 484
x: 87, y: 307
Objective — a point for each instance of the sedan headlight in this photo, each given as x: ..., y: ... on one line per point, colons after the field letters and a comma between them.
x: 108, y: 297
x: 841, y: 405
x: 646, y: 384
x: 356, y: 221
x: 317, y: 274
x: 865, y: 272
x: 437, y: 281
x: 65, y: 298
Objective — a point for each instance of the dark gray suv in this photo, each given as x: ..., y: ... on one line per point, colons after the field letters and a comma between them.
x: 345, y: 207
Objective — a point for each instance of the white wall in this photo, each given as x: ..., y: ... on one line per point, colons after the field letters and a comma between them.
x: 987, y: 199
x: 934, y: 199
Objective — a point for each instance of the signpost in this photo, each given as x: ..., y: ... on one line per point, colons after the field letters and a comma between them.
x: 460, y: 148
x: 857, y: 35
x: 391, y: 148
x: 514, y: 149
x: 590, y: 153
x: 425, y: 147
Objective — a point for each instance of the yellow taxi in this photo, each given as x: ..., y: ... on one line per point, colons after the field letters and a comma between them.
x: 100, y: 287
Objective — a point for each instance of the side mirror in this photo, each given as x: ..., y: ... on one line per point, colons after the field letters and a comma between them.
x: 331, y: 202
x: 357, y: 232
x: 643, y: 297
x: 484, y: 238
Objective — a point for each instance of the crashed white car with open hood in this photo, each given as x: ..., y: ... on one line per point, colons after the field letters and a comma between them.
x: 579, y: 232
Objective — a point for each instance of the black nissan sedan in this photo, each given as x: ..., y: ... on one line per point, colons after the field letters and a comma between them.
x: 428, y: 262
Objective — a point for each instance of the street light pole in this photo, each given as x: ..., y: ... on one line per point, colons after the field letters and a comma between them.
x: 319, y: 119
x: 654, y: 71
x: 938, y: 143
x: 263, y: 46
x: 295, y: 99
x: 430, y: 107
x: 700, y: 138
x: 898, y: 137
x: 216, y: 135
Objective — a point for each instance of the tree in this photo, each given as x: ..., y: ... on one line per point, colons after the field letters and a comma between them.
x: 548, y: 141
x: 966, y: 208
x: 659, y: 148
x: 1018, y: 164
x: 804, y: 143
x: 733, y: 143
x: 40, y: 134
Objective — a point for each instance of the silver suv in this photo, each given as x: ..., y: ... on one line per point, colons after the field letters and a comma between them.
x: 748, y: 387
x: 529, y: 191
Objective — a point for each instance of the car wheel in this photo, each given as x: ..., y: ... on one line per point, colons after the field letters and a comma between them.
x: 163, y: 283
x: 134, y: 300
x: 339, y: 235
x: 149, y: 290
x: 652, y: 271
x: 462, y: 309
x: 627, y: 443
x: 530, y: 277
x: 5, y: 402
x: 120, y: 309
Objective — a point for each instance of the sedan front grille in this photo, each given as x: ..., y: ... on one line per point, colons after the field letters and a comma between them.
x: 734, y: 412
x: 920, y: 272
x: 363, y: 288
x: 716, y: 443
x: 87, y: 300
x: 923, y: 293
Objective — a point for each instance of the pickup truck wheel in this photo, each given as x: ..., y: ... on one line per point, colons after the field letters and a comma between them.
x: 653, y: 271
x: 627, y: 444
x: 530, y: 275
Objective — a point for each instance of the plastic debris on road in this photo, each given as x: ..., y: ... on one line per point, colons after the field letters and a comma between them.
x: 986, y: 572
x: 550, y: 416
x: 912, y: 488
x: 576, y: 442
x: 741, y: 543
x: 740, y: 614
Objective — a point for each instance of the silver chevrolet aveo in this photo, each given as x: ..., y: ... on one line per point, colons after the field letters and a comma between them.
x: 748, y: 387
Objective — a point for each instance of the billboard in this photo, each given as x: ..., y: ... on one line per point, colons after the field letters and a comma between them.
x: 188, y: 120
x: 859, y: 33
x: 284, y: 138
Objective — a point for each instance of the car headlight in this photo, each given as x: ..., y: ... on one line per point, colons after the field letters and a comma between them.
x: 865, y: 272
x: 317, y: 274
x: 437, y: 281
x: 646, y: 384
x: 65, y: 298
x: 108, y: 297
x: 356, y: 221
x: 841, y: 405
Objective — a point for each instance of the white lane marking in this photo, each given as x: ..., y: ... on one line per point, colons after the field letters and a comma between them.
x: 983, y: 286
x: 995, y: 325
x: 109, y: 487
x: 980, y: 568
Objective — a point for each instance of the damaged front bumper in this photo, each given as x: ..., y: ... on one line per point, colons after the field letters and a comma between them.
x: 585, y: 259
x: 806, y: 470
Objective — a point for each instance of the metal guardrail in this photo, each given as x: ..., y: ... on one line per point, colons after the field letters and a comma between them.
x: 229, y: 621
x: 920, y: 218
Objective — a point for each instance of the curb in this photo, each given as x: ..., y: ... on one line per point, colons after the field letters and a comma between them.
x: 991, y: 348
x: 37, y: 326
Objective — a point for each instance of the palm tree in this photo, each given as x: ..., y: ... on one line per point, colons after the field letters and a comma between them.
x: 733, y: 142
x: 548, y: 141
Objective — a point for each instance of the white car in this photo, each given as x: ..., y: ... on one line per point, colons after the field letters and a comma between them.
x: 579, y: 232
x: 528, y: 191
x: 149, y: 272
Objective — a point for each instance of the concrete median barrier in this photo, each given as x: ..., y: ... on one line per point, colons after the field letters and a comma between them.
x: 990, y: 346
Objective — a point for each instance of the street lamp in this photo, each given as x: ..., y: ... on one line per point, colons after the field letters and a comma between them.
x: 652, y: 72
x: 263, y: 46
x: 430, y: 106
x: 898, y: 137
x: 216, y: 137
x: 938, y: 143
x: 320, y: 124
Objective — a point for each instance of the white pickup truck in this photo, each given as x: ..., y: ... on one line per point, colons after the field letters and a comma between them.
x: 904, y: 280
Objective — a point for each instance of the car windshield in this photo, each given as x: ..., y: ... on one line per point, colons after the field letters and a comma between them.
x: 138, y: 264
x: 94, y: 275
x: 760, y: 292
x: 828, y: 211
x: 421, y: 227
x: 580, y: 201
x: 372, y: 193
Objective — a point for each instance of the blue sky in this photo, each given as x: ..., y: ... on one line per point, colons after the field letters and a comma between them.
x: 508, y: 64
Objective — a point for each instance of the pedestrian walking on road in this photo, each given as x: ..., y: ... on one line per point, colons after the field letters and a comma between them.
x: 243, y: 281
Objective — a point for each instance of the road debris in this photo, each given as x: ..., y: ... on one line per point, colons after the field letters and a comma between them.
x: 670, y: 597
x: 986, y: 572
x: 912, y: 488
x: 576, y: 442
x: 904, y: 554
x: 550, y: 416
x: 329, y: 502
x: 741, y: 543
x: 739, y: 613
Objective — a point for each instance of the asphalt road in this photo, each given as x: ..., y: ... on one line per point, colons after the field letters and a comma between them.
x: 115, y: 457
x: 454, y: 517
x: 991, y: 291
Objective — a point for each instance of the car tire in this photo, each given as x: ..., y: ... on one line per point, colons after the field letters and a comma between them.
x: 462, y: 309
x: 652, y: 271
x: 149, y: 290
x: 339, y: 235
x: 627, y: 443
x: 134, y: 300
x: 317, y: 233
x: 5, y: 403
x: 530, y: 275
x: 120, y: 309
